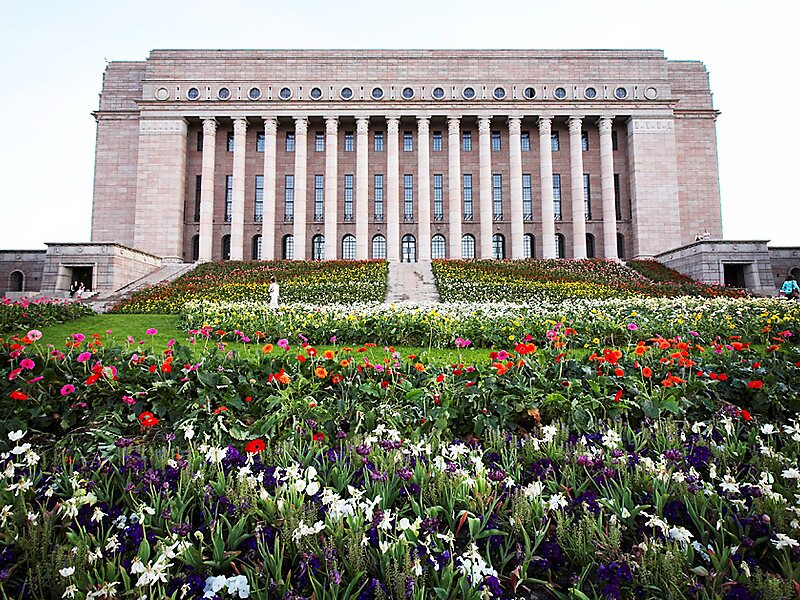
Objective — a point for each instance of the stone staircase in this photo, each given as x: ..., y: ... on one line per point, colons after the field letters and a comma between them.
x: 163, y: 274
x: 412, y: 283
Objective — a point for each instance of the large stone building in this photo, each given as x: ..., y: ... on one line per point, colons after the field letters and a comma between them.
x: 399, y: 154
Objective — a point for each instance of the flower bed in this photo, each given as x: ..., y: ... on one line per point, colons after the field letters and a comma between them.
x: 556, y: 280
x: 26, y: 313
x: 596, y: 321
x: 653, y: 468
x: 319, y: 282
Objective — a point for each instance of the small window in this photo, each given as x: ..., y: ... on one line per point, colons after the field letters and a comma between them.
x: 254, y: 93
x: 408, y: 141
x: 228, y: 197
x: 258, y: 207
x: 498, y: 246
x: 285, y: 93
x: 348, y: 197
x: 590, y: 93
x: 259, y: 141
x: 585, y: 141
x: 229, y: 146
x: 438, y: 246
x: 468, y: 93
x: 529, y: 93
x: 226, y: 247
x: 408, y: 197
x: 378, y: 197
x: 198, y: 185
x: 408, y: 93
x: 287, y: 247
x: 525, y: 141
x: 349, y: 247
x: 557, y: 196
x: 495, y: 141
x: 587, y: 197
x: 348, y: 141
x: 499, y: 93
x: 555, y: 144
x: 315, y: 93
x: 560, y: 246
x: 200, y: 141
x: 528, y: 245
x: 346, y: 93
x: 319, y: 197
x: 290, y: 141
x: 468, y: 246
x: 467, y: 177
x: 223, y: 93
x: 620, y: 93
x: 590, y: 253
x: 497, y: 196
x: 466, y: 141
x: 617, y: 197
x: 527, y: 198
x: 438, y: 196
x: 378, y: 141
x: 193, y: 93
x: 256, y: 250
x: 437, y: 93
x: 319, y: 142
x: 620, y: 246
x: 288, y: 198
x: 379, y: 247
x: 560, y: 93
x: 614, y: 140
x: 318, y: 247
x: 437, y: 141
x: 377, y: 93
x: 195, y: 248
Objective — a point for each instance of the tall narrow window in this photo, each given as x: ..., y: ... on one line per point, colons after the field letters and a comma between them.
x: 560, y: 246
x: 348, y: 197
x: 437, y: 141
x: 258, y: 208
x: 468, y: 246
x: 288, y: 197
x: 290, y: 141
x: 287, y: 247
x: 319, y: 196
x: 230, y: 141
x: 259, y: 141
x: 438, y: 199
x: 495, y: 141
x: 319, y: 142
x: 379, y: 247
x: 589, y: 245
x: 614, y: 140
x: 198, y: 183
x: 555, y: 145
x: 466, y: 141
x: 528, y: 245
x: 408, y: 141
x: 378, y: 197
x: 468, y: 196
x: 349, y: 247
x: 228, y: 197
x: 408, y: 197
x: 195, y: 248
x: 226, y: 247
x: 620, y: 245
x: 527, y: 198
x: 557, y: 196
x: 497, y: 196
x: 256, y: 248
x: 525, y: 141
x: 378, y: 141
x: 498, y: 246
x: 617, y: 197
x: 584, y: 140
x: 318, y: 247
x: 587, y: 197
x: 438, y: 246
x: 348, y: 141
x: 200, y: 141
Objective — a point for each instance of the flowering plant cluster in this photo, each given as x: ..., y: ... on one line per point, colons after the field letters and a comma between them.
x: 40, y: 312
x: 318, y: 282
x: 558, y: 279
x: 497, y: 324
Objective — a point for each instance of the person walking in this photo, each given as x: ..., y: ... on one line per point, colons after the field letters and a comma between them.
x: 790, y: 290
x: 274, y: 292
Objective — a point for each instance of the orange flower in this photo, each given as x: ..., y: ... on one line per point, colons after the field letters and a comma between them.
x: 501, y: 367
x: 647, y: 372
x: 267, y: 348
x: 284, y: 378
x: 619, y: 372
x: 419, y: 366
x: 640, y: 349
x: 328, y: 355
x: 345, y: 363
x: 336, y: 378
x: 320, y: 372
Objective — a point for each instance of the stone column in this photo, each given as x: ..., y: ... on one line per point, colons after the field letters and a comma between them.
x: 546, y: 174
x: 424, y: 187
x: 576, y: 188
x: 607, y: 183
x: 393, y: 189
x: 331, y: 181
x: 362, y: 188
x: 237, y: 204
x: 300, y: 186
x: 515, y: 156
x: 207, y: 190
x: 454, y: 185
x: 486, y: 209
x: 268, y: 220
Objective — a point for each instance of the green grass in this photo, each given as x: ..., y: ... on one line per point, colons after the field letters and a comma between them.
x: 123, y: 325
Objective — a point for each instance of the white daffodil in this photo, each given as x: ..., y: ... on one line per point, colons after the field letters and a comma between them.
x: 784, y: 541
x: 16, y: 436
x: 66, y: 571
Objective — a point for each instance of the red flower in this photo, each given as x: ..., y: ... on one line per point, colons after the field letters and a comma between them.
x: 647, y: 372
x: 301, y: 358
x: 318, y: 437
x: 17, y: 395
x: 336, y: 378
x: 254, y: 446
x: 745, y: 415
x: 618, y: 396
x: 148, y: 419
x: 619, y: 372
x: 755, y: 385
x: 439, y: 378
x: 722, y: 377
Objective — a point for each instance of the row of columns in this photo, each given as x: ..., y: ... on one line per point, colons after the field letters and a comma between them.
x: 392, y: 196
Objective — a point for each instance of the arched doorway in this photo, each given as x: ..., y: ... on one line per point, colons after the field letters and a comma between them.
x: 408, y: 249
x: 16, y: 282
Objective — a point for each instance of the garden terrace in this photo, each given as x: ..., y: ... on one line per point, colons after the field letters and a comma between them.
x: 319, y: 282
x: 25, y: 314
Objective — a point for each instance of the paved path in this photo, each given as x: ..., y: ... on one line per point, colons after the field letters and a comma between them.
x: 411, y: 282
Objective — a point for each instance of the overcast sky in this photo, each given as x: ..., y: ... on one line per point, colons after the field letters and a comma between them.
x: 54, y: 53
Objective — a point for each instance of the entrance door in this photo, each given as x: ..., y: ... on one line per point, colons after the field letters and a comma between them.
x: 734, y: 275
x: 83, y: 275
x: 409, y: 249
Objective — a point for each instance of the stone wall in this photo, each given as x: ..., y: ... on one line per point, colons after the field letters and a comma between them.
x: 785, y: 261
x: 28, y: 264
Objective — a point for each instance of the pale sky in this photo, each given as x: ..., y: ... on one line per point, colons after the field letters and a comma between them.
x: 54, y: 52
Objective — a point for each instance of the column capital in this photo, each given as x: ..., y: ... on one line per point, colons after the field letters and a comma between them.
x: 393, y: 124
x: 301, y: 125
x: 604, y: 124
x: 514, y: 125
x: 545, y: 125
x: 424, y: 124
x: 454, y: 125
x: 270, y: 125
x: 484, y: 124
x: 209, y: 126
x: 362, y: 125
x: 575, y: 124
x: 331, y: 124
x: 239, y: 125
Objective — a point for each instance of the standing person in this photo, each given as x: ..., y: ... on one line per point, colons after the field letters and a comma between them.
x: 274, y: 292
x: 790, y: 290
x: 81, y: 289
x: 72, y: 289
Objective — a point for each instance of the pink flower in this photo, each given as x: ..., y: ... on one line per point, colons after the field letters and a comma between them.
x: 13, y: 375
x: 152, y: 331
x: 35, y: 379
x: 27, y: 363
x: 632, y: 327
x: 284, y: 343
x: 78, y: 337
x: 84, y: 356
x: 171, y: 343
x: 128, y: 400
x: 35, y: 334
x: 67, y: 389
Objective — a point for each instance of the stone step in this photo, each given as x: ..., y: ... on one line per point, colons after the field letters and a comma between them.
x: 411, y: 282
x: 164, y: 274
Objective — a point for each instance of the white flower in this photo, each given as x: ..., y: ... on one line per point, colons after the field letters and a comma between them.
x: 611, y: 439
x: 66, y: 571
x: 188, y: 433
x: 533, y: 490
x: 304, y: 530
x: 784, y: 541
x: 768, y: 429
x: 5, y: 514
x: 215, y: 455
x: 792, y: 473
x: 681, y: 535
x: 729, y: 485
x: 549, y: 433
x: 15, y: 436
x: 312, y: 488
x: 214, y: 585
x: 557, y: 501
x: 21, y: 449
x: 472, y: 565
x: 238, y: 585
x: 113, y: 543
x: 98, y: 514
x: 70, y: 591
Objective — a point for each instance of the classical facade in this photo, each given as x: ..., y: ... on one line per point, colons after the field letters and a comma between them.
x: 405, y: 155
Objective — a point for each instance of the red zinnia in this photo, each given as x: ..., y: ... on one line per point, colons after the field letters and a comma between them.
x: 148, y: 419
x: 745, y: 415
x: 319, y: 437
x: 17, y: 395
x: 755, y: 385
x: 618, y: 396
x: 254, y: 446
